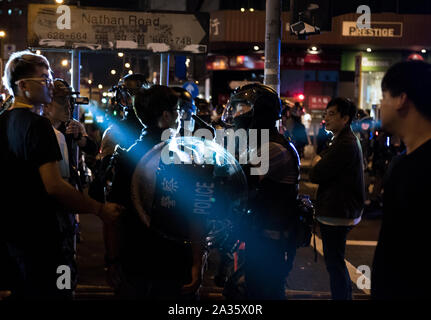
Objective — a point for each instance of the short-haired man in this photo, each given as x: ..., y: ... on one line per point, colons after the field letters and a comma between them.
x: 398, y: 272
x: 32, y: 185
x: 341, y: 194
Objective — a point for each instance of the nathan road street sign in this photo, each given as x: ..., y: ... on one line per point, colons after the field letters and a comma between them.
x: 53, y: 26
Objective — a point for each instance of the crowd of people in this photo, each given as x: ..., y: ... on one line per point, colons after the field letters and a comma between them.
x: 156, y: 215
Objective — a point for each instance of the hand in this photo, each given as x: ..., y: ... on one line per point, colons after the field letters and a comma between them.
x: 110, y: 212
x: 194, y: 285
x: 315, y: 160
x: 76, y: 128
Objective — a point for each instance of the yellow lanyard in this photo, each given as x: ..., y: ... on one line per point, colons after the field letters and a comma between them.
x: 17, y: 104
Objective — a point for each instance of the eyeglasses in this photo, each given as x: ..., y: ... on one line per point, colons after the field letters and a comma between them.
x: 43, y: 81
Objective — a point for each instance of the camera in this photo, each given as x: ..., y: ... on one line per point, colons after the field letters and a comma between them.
x: 80, y: 100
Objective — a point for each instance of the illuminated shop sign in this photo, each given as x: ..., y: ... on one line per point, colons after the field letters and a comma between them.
x: 377, y: 30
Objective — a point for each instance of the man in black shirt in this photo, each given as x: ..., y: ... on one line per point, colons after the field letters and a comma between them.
x: 399, y: 271
x: 340, y: 197
x: 31, y: 186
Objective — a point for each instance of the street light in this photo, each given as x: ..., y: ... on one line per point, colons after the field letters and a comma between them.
x: 90, y: 81
x: 2, y: 33
x: 120, y: 54
x: 64, y: 62
x: 59, y: 1
x: 130, y: 72
x: 127, y: 65
x: 100, y: 86
x: 113, y: 71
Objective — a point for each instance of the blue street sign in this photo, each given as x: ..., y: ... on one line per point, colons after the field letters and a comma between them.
x: 192, y: 88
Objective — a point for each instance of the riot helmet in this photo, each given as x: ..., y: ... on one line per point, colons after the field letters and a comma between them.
x: 187, y: 108
x: 253, y: 106
x: 133, y: 82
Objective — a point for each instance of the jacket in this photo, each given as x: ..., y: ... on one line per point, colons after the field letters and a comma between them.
x: 340, y: 175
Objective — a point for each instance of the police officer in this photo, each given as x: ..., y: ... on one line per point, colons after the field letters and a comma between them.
x: 129, y: 128
x: 142, y: 260
x: 124, y: 131
x: 273, y: 193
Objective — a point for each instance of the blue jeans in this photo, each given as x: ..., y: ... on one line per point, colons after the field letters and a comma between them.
x: 334, y: 247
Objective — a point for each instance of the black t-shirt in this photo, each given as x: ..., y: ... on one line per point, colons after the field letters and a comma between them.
x: 399, y: 269
x: 27, y: 141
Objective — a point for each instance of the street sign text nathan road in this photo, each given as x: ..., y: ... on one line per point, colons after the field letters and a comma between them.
x: 64, y: 26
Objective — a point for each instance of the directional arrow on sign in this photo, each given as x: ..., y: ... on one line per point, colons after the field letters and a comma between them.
x: 189, y: 25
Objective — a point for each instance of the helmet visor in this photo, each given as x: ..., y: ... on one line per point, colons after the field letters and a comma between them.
x: 235, y: 109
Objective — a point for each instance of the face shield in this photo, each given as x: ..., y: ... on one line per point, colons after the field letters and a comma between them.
x: 235, y: 109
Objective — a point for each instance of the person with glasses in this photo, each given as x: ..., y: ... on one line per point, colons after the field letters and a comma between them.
x: 32, y: 188
x: 339, y: 172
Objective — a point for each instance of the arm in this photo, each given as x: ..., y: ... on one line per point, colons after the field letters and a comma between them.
x: 73, y: 199
x: 77, y: 129
x: 336, y: 159
x: 198, y: 250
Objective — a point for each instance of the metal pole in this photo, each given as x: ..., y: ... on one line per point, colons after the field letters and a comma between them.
x: 272, y: 44
x: 76, y: 76
x: 164, y: 69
